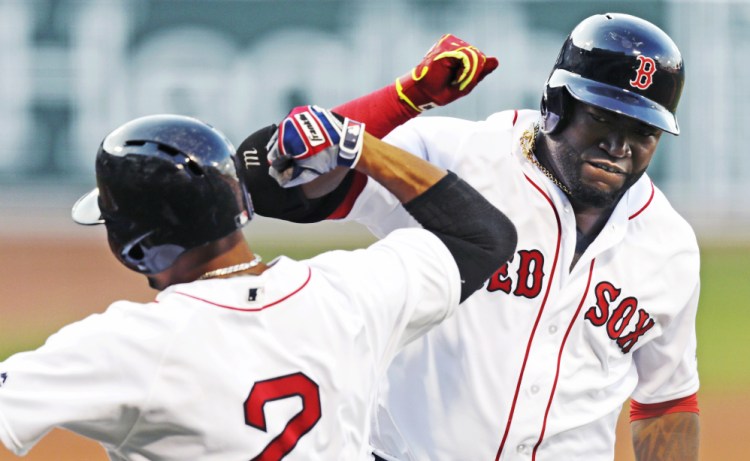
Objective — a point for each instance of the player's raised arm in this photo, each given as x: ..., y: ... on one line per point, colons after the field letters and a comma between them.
x: 312, y: 141
x: 450, y: 70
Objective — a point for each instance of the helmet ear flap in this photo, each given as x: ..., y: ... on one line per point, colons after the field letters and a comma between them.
x: 554, y: 107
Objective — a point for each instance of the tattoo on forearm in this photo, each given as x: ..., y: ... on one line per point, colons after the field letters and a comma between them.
x: 671, y: 437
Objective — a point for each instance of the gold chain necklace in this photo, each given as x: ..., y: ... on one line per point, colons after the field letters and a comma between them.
x: 231, y: 269
x: 528, y: 139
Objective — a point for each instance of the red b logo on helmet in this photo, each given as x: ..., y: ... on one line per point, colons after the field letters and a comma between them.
x: 644, y: 77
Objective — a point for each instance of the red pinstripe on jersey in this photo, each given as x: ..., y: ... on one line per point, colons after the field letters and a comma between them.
x: 538, y: 317
x: 254, y: 309
x: 559, y: 359
x: 648, y: 202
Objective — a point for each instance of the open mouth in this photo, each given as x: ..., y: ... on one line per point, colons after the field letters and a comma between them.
x: 603, y: 175
x: 606, y: 167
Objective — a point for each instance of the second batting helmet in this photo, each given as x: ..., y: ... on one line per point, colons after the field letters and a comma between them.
x: 619, y: 63
x: 166, y: 184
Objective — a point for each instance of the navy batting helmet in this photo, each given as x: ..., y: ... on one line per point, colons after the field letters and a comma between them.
x: 165, y: 184
x: 619, y: 63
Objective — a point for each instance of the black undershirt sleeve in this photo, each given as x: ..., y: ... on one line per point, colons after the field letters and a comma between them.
x: 479, y: 236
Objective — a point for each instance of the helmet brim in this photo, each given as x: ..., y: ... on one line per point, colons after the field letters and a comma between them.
x: 86, y: 209
x: 618, y: 100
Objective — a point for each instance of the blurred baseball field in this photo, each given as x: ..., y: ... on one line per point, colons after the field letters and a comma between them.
x: 45, y: 284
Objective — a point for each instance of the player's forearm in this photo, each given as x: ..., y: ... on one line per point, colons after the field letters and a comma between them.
x: 381, y: 111
x: 478, y: 235
x: 671, y: 437
x: 404, y: 175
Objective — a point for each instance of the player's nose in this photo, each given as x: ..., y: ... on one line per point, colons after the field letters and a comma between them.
x: 617, y: 145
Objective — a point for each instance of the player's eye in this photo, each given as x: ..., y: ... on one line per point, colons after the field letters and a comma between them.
x: 598, y: 118
x: 646, y: 131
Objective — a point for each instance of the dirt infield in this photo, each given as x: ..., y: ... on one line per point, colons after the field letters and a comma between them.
x: 45, y: 285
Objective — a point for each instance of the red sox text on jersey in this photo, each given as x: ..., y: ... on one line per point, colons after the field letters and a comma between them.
x: 612, y: 311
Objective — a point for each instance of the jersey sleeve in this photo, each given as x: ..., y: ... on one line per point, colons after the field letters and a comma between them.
x: 425, y: 137
x: 667, y: 366
x: 401, y: 286
x: 90, y: 377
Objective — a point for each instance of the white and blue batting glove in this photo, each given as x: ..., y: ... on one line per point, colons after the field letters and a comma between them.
x: 311, y: 141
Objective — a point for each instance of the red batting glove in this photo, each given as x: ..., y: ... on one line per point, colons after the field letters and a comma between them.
x: 449, y: 70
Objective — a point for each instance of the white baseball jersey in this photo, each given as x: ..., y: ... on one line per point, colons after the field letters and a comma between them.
x: 537, y: 364
x: 281, y: 365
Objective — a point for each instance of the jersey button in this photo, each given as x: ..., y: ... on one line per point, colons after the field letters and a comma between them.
x: 552, y: 329
x: 534, y: 389
x: 524, y: 448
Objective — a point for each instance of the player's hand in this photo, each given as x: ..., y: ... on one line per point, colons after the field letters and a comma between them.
x: 449, y: 70
x: 311, y: 141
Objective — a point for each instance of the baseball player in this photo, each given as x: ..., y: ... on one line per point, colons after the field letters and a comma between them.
x: 598, y: 304
x: 236, y: 359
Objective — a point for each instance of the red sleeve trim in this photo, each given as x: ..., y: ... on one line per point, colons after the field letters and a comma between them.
x: 687, y: 404
x: 358, y: 185
x: 381, y: 111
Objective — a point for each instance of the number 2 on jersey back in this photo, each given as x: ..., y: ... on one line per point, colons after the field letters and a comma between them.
x: 282, y: 387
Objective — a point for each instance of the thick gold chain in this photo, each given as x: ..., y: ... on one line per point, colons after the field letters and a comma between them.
x: 528, y: 139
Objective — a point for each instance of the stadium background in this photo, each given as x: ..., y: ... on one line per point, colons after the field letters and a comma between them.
x: 72, y: 70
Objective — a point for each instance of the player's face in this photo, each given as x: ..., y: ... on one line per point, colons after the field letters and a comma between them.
x: 600, y: 154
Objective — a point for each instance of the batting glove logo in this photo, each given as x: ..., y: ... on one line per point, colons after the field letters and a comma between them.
x: 312, y: 130
x: 350, y: 147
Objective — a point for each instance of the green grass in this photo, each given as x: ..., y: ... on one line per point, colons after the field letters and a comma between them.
x: 724, y: 318
x: 300, y: 250
x: 31, y: 342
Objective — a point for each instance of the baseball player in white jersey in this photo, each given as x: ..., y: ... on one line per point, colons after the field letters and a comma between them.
x: 598, y: 304
x: 236, y: 359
